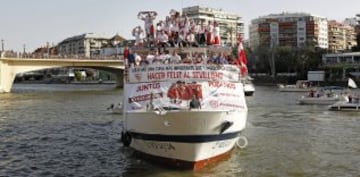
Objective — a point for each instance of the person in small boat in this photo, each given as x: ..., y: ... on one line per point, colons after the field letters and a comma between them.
x: 195, y: 103
x: 350, y: 98
x: 312, y: 93
x: 329, y: 93
x: 110, y: 107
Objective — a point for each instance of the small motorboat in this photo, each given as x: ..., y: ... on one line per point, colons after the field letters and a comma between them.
x: 300, y: 86
x: 324, y: 96
x: 115, y: 109
x: 345, y: 106
x: 323, y: 100
x: 249, y: 88
x: 351, y: 103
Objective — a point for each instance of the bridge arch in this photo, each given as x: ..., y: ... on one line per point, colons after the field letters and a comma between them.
x: 10, y: 67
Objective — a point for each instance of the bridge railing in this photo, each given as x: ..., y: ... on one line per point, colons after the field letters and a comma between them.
x: 45, y: 56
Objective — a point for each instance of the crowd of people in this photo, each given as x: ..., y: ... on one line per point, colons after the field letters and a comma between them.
x: 153, y: 57
x: 175, y: 31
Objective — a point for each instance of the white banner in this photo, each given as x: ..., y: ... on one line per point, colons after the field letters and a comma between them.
x: 212, y: 95
x: 151, y: 73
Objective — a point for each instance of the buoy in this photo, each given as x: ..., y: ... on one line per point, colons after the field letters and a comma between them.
x: 245, y: 142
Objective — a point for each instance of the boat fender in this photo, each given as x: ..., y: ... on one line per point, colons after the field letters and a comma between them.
x: 126, y: 138
x: 244, y: 141
x: 225, y: 125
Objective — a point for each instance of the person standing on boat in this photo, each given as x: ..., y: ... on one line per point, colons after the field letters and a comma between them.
x: 163, y: 39
x: 190, y: 40
x: 148, y: 17
x: 126, y: 52
x: 216, y: 31
x: 137, y: 32
x: 209, y: 33
x: 175, y: 58
x: 202, y: 32
x: 131, y: 59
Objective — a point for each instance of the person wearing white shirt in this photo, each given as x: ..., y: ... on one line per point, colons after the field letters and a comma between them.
x: 216, y: 32
x: 163, y: 40
x: 175, y: 58
x: 191, y: 40
x: 209, y: 33
x: 137, y: 59
x: 148, y: 17
x: 137, y: 32
x: 150, y: 57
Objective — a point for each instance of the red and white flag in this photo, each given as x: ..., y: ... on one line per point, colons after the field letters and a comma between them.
x: 242, y: 60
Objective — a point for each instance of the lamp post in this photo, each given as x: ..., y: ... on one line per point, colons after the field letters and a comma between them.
x: 2, y: 45
x: 115, y: 43
x: 273, y: 68
x: 48, y: 49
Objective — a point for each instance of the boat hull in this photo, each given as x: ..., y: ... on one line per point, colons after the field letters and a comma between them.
x: 320, y: 101
x: 249, y: 93
x: 116, y: 111
x: 345, y: 106
x: 249, y: 89
x: 185, y: 139
x: 294, y: 88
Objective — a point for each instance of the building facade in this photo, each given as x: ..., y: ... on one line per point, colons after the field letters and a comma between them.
x: 342, y: 37
x: 85, y: 45
x: 230, y: 23
x: 289, y: 29
x: 347, y: 63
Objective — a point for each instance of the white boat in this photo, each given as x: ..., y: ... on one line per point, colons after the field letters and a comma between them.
x: 345, y: 106
x: 323, y: 96
x: 324, y: 99
x: 249, y: 87
x: 300, y: 86
x: 166, y: 130
x: 115, y: 109
x: 159, y: 123
x: 351, y: 103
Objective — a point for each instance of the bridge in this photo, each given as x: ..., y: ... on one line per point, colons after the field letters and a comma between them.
x: 10, y: 67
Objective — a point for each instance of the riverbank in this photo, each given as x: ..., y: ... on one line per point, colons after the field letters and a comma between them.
x: 269, y: 81
x: 58, y: 81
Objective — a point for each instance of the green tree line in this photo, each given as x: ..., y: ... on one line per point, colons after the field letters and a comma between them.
x: 286, y: 59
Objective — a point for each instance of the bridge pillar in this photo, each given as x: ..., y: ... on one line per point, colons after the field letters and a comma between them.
x: 120, y: 79
x: 7, y: 77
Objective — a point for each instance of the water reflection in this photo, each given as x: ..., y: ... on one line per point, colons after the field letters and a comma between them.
x: 65, y: 130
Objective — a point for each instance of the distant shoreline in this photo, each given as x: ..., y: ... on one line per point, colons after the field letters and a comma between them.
x: 64, y: 82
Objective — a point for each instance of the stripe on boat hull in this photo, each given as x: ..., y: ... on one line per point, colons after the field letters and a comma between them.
x: 184, y: 138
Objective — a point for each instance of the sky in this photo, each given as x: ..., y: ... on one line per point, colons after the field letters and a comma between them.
x: 33, y: 23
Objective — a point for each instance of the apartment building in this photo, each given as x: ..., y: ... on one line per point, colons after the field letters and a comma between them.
x: 288, y: 29
x: 230, y: 24
x: 342, y: 37
x: 86, y: 45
